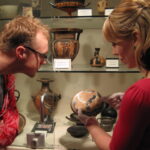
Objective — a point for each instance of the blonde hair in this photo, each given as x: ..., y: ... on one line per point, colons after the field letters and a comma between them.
x: 21, y: 31
x: 128, y: 17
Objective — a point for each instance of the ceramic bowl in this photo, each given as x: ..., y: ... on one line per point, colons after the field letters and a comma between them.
x: 77, y: 131
x: 88, y: 101
x: 22, y: 122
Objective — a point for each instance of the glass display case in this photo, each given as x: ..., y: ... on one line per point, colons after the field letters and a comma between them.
x: 56, y: 18
x: 21, y: 139
x: 86, y: 68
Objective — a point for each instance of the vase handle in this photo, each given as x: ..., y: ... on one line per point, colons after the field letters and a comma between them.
x: 17, y: 95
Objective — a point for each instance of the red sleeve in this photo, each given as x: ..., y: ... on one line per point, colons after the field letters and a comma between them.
x: 132, y: 121
x: 8, y: 127
x: 9, y: 114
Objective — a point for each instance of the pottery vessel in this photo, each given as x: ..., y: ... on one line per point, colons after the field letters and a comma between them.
x: 97, y: 60
x: 65, y: 42
x: 77, y: 131
x: 101, y: 6
x: 22, y: 123
x: 74, y: 118
x: 108, y: 118
x: 50, y: 100
x: 68, y: 6
x: 88, y: 101
x: 22, y: 119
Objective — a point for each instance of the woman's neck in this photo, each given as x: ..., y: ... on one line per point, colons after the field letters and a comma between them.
x: 147, y: 74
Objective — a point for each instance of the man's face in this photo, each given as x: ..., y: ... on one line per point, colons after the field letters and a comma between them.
x: 35, y: 60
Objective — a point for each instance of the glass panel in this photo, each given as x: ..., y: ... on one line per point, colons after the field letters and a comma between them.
x: 21, y: 139
x: 75, y: 22
x: 78, y: 22
x: 79, y: 68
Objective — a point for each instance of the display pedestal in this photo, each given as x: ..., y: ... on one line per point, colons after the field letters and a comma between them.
x: 49, y: 127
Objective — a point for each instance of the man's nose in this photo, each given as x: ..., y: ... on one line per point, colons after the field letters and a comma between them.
x: 115, y: 52
x: 43, y: 61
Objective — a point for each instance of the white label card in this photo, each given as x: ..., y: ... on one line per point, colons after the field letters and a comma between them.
x: 108, y: 11
x: 112, y: 63
x: 84, y: 12
x: 59, y: 64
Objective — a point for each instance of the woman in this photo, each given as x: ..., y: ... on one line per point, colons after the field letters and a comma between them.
x: 128, y: 29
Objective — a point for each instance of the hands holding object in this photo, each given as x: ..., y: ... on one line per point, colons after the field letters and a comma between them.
x: 114, y: 100
x: 88, y: 103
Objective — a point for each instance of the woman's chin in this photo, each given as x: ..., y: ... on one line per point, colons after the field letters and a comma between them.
x: 131, y: 66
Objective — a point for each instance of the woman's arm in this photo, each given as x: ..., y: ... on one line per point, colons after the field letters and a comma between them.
x: 101, y: 138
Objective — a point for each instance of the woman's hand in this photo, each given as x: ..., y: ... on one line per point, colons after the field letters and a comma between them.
x: 82, y: 117
x: 86, y: 119
x: 114, y: 100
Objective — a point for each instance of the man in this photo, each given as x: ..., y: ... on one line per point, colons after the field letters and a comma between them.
x: 23, y: 41
x: 23, y: 45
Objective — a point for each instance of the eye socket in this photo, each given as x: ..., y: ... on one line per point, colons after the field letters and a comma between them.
x: 35, y: 51
x: 114, y: 44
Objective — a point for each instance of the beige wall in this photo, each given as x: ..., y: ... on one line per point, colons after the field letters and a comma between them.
x: 68, y: 84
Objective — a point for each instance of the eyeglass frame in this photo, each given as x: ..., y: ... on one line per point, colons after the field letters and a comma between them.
x: 35, y: 51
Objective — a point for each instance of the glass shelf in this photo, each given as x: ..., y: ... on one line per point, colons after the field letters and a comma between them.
x: 84, y: 22
x: 84, y: 68
x: 87, y: 22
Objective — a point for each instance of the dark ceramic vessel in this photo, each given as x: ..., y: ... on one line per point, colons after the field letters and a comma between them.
x: 65, y: 42
x: 77, y: 131
x: 69, y: 6
x: 51, y: 98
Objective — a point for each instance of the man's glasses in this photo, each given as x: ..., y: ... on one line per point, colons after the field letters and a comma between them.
x: 34, y: 51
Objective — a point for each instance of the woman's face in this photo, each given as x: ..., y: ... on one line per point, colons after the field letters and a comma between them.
x: 124, y: 49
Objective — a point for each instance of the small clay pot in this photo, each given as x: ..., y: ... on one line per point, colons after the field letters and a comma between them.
x: 109, y: 112
x: 22, y: 122
x: 77, y: 131
x: 74, y: 118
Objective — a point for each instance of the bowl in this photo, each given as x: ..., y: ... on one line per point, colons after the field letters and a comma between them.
x: 109, y: 112
x: 68, y: 6
x: 77, y: 131
x: 22, y: 122
x: 88, y: 101
x: 74, y: 118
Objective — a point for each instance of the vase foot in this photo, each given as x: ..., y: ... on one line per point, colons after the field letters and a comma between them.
x: 49, y: 127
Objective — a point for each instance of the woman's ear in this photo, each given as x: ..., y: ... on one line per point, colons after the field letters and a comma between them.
x: 20, y: 52
x: 136, y: 38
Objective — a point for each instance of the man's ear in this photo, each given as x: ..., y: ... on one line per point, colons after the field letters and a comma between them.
x: 20, y: 52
